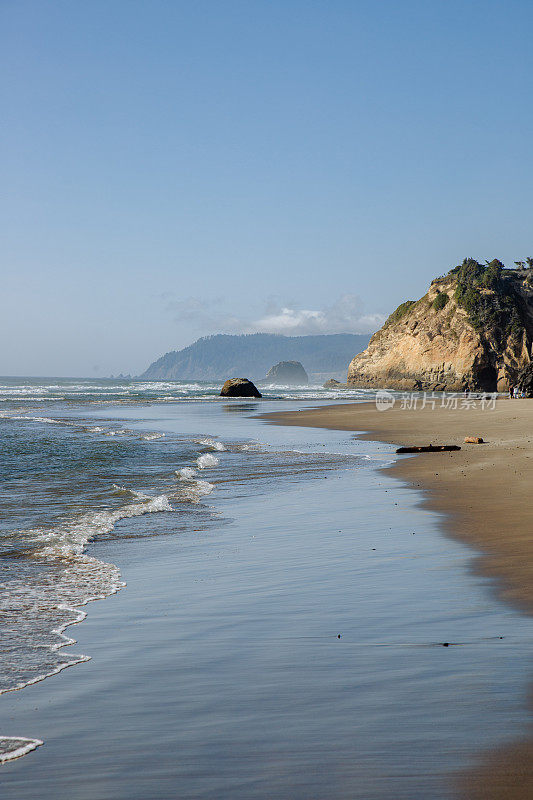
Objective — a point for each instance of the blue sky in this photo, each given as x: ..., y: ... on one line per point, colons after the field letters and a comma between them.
x: 174, y: 169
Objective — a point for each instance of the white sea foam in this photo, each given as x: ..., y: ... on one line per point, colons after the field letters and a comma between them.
x: 36, y: 613
x: 150, y: 436
x: 186, y: 473
x: 204, y: 487
x: 133, y: 492
x: 197, y: 488
x: 196, y: 491
x: 154, y: 386
x: 15, y: 746
x: 48, y: 420
x: 206, y: 460
x: 69, y: 539
x: 213, y: 444
x: 24, y: 390
x: 10, y: 399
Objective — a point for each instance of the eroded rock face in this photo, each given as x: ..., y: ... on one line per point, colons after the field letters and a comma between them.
x: 449, y: 344
x: 288, y: 372
x: 239, y: 387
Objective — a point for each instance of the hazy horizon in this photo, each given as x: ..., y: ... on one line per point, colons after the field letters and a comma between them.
x: 174, y: 170
x: 132, y: 376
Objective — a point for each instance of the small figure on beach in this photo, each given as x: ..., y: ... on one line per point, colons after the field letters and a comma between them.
x: 511, y: 391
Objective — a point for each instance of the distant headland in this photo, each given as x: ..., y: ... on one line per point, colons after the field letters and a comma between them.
x: 223, y: 355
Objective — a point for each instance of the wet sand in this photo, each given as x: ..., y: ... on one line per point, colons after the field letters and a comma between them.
x: 484, y: 491
x: 218, y: 672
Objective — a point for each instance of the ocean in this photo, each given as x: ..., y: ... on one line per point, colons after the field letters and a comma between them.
x: 274, y: 605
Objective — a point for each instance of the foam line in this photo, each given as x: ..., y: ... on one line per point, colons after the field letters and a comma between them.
x: 24, y: 746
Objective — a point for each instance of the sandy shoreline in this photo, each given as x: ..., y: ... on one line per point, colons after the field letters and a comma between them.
x: 483, y: 491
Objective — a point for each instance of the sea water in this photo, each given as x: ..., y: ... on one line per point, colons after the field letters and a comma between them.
x: 283, y: 627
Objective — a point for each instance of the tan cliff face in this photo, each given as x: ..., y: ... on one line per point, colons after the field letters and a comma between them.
x: 442, y: 345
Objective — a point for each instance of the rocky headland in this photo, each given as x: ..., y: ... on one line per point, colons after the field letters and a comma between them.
x: 473, y: 330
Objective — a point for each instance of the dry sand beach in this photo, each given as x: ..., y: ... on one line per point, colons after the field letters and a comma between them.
x: 484, y: 492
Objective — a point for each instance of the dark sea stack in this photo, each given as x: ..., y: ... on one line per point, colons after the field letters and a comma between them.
x: 472, y: 331
x: 332, y: 384
x: 288, y: 372
x: 239, y: 387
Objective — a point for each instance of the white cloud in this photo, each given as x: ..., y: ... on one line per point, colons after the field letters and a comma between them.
x: 344, y: 316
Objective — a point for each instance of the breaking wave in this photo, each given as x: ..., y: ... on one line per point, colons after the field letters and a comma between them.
x: 48, y: 420
x: 69, y: 539
x: 213, y: 444
x: 196, y: 491
x: 207, y: 460
x: 186, y: 473
x: 197, y: 488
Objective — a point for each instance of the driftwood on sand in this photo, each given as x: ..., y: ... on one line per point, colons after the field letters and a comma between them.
x: 430, y: 448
